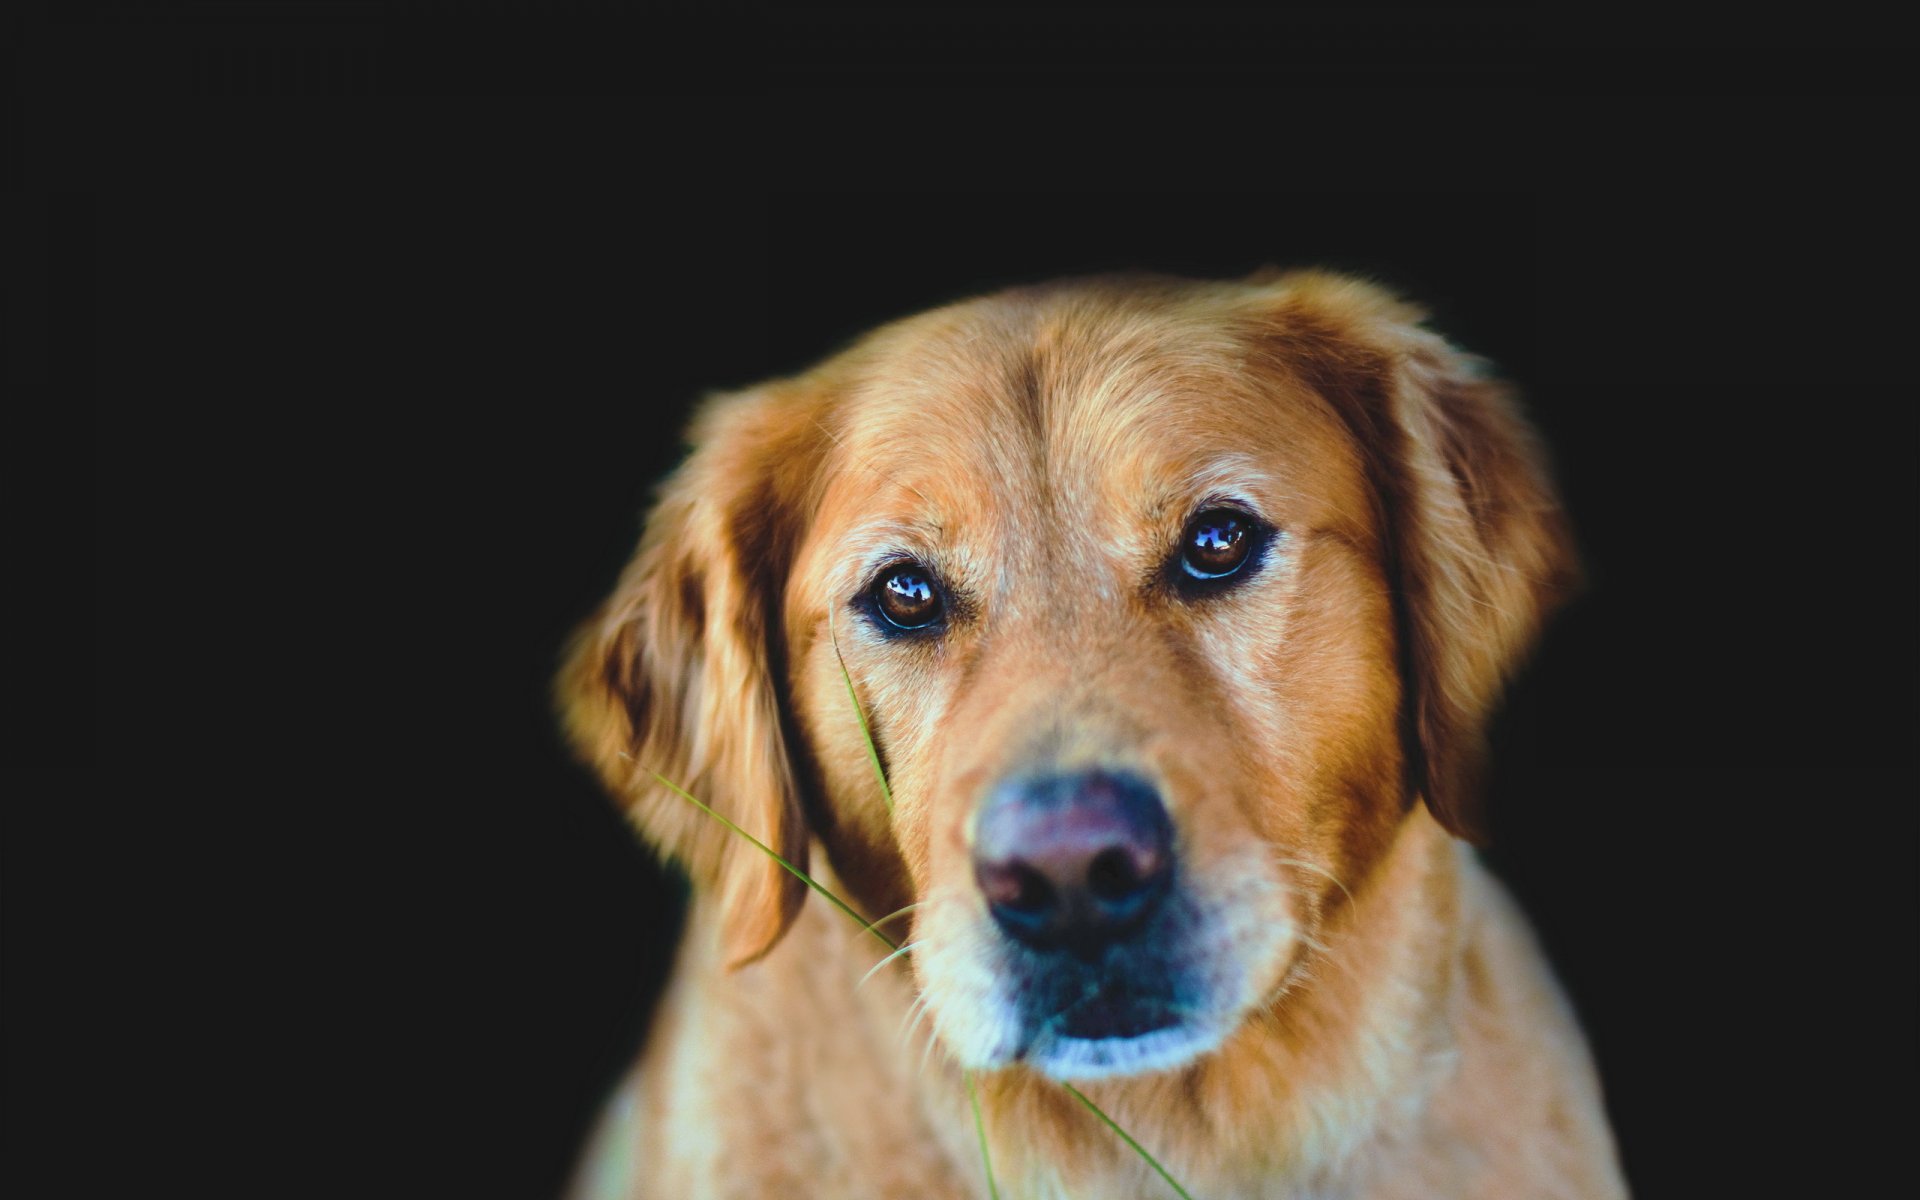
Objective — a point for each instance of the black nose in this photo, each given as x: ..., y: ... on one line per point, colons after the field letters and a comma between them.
x: 1075, y: 861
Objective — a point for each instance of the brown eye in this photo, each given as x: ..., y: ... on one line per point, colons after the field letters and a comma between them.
x: 1216, y: 544
x: 907, y: 598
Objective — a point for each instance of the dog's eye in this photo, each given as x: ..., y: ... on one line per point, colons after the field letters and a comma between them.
x: 907, y: 597
x: 1216, y: 544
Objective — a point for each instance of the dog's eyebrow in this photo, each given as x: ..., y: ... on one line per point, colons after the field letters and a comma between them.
x: 884, y: 540
x: 1228, y: 477
x: 848, y: 452
x: 1231, y: 472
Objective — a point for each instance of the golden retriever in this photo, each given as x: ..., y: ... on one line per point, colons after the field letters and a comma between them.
x: 1176, y: 610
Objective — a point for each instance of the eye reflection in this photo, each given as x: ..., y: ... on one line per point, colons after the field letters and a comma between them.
x: 907, y: 597
x: 1216, y: 544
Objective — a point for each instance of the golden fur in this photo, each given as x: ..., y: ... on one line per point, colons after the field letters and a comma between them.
x: 1381, y: 1023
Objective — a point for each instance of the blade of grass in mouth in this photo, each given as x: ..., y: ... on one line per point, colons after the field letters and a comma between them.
x: 980, y: 1127
x: 1128, y: 1138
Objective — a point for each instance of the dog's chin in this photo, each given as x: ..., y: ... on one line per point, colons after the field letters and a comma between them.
x: 1157, y: 1002
x: 1060, y: 1055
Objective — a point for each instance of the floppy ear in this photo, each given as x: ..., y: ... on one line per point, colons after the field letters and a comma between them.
x: 1479, y: 546
x: 678, y: 671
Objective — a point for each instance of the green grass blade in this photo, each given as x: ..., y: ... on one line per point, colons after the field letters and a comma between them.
x: 980, y: 1127
x: 866, y: 731
x: 771, y: 853
x: 886, y: 793
x: 882, y: 920
x: 1126, y: 1137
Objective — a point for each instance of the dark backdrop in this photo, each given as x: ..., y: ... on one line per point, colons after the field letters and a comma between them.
x: 340, y: 405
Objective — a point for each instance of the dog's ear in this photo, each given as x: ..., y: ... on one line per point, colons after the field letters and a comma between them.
x: 1480, y: 548
x: 679, y: 673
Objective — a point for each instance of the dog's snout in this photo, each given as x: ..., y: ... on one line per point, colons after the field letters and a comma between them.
x: 1073, y: 862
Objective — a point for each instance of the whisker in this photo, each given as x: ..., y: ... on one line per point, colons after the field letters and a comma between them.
x: 877, y: 922
x: 1319, y: 870
x: 926, y: 1054
x: 911, y: 1019
x: 883, y: 962
x: 913, y: 1026
x: 1304, y: 967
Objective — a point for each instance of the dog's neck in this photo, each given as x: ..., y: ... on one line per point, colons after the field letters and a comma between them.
x: 1340, y: 1066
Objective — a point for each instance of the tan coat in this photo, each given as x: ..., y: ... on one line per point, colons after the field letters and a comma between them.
x: 1372, y: 1019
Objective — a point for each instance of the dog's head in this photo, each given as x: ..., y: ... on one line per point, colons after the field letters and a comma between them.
x: 1165, y: 602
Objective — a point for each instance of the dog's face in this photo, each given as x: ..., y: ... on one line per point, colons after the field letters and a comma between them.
x: 1164, y: 602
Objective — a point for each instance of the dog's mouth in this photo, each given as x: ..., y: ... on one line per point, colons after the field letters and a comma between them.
x: 1171, y: 992
x: 1120, y: 1021
x: 1115, y: 1013
x: 1117, y: 1034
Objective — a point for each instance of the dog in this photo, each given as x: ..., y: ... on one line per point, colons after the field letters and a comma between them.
x: 1175, y: 611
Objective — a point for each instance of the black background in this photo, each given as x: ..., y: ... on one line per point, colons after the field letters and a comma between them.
x: 345, y: 352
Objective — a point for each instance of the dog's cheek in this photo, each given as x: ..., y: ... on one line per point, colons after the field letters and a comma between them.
x: 1339, y: 764
x: 850, y: 792
x: 962, y: 972
x: 959, y: 958
x: 847, y: 807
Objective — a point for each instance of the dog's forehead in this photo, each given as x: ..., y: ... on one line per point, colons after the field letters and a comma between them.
x: 1093, y: 407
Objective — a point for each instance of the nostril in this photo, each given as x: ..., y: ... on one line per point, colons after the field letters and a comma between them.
x: 1017, y: 886
x: 1113, y: 875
